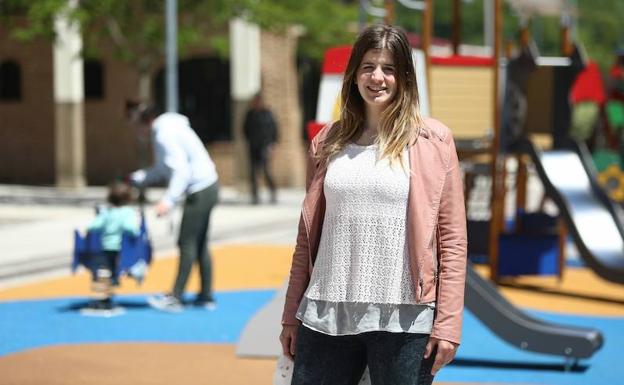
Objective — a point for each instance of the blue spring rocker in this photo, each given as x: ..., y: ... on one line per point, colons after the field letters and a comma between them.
x: 134, y: 257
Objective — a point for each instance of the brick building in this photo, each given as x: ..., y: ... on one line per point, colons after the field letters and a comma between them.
x: 27, y: 112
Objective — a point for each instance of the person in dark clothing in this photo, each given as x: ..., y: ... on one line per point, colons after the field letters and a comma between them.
x: 261, y: 133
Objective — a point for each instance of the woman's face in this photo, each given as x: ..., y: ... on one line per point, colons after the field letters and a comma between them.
x: 376, y: 78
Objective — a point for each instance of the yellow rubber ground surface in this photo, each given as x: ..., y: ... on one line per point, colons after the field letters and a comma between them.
x: 261, y: 267
x: 235, y: 268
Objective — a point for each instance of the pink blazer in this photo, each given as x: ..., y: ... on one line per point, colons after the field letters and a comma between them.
x: 436, y: 229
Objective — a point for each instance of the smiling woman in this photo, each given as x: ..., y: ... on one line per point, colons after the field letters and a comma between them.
x: 374, y: 280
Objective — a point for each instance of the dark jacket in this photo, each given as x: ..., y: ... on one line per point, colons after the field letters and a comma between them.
x: 260, y: 128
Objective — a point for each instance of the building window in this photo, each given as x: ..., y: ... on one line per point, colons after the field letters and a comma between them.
x: 10, y: 80
x: 204, y: 96
x: 93, y: 79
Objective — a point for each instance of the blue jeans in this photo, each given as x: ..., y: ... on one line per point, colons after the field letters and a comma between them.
x: 392, y: 358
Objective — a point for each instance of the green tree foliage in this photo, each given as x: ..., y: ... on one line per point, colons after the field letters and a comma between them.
x: 136, y: 28
x: 601, y: 28
x: 323, y: 23
x: 471, y: 20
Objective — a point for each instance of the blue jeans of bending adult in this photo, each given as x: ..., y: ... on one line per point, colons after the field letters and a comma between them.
x: 392, y: 358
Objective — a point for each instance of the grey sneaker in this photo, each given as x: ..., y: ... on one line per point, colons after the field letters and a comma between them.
x: 166, y: 303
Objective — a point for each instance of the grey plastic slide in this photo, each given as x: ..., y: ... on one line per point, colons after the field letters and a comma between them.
x: 593, y: 220
x: 260, y: 336
x: 523, y: 331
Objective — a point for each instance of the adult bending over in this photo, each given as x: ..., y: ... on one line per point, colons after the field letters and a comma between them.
x: 181, y: 160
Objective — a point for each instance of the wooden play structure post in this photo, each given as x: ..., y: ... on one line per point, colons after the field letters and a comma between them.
x: 566, y: 42
x: 522, y: 161
x: 521, y: 173
x: 525, y: 35
x: 521, y: 188
x: 389, y: 7
x: 562, y: 229
x: 456, y: 33
x: 498, y: 161
x: 427, y: 30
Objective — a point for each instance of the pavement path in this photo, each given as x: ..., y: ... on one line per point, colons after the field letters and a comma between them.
x: 37, y: 225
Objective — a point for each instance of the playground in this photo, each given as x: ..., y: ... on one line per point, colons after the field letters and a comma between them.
x: 45, y: 339
x: 539, y: 141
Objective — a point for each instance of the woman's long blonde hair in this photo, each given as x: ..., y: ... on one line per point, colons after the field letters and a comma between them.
x: 401, y: 119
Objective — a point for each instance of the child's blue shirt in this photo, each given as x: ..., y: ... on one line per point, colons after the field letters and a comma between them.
x: 112, y: 222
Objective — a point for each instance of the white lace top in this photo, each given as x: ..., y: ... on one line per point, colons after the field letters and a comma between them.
x: 361, y: 279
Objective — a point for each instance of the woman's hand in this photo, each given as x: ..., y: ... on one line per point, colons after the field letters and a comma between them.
x: 444, y: 354
x: 288, y: 339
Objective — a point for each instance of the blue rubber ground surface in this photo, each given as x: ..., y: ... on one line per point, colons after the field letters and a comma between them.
x: 29, y: 324
x: 482, y: 357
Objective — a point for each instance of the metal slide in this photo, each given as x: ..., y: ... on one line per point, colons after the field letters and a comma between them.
x: 593, y: 220
x: 523, y: 331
